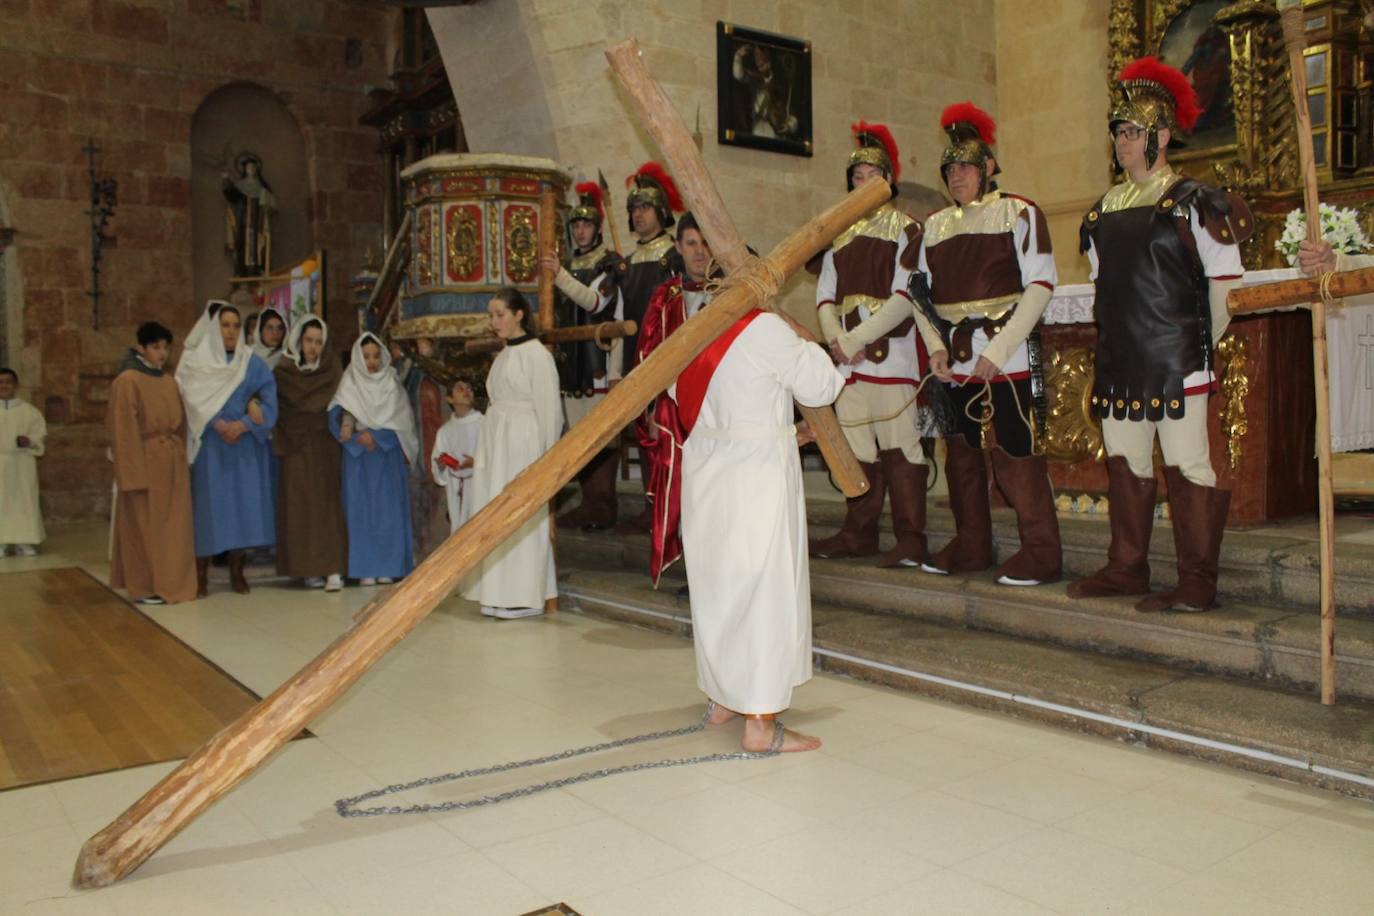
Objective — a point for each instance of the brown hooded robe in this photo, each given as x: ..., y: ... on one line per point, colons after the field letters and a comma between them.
x: 312, y: 539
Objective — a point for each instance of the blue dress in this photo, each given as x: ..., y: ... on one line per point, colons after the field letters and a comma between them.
x: 376, y: 505
x: 231, y: 485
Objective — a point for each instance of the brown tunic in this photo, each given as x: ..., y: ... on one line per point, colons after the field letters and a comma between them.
x: 312, y: 538
x: 154, y: 541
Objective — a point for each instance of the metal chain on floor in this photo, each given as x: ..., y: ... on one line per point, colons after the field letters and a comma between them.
x: 347, y: 807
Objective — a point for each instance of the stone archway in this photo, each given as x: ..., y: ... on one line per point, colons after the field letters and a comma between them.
x: 235, y: 119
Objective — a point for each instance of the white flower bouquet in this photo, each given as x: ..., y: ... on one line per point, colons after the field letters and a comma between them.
x: 1340, y: 226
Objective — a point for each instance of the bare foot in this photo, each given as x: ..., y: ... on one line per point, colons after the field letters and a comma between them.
x: 758, y: 737
x: 718, y: 715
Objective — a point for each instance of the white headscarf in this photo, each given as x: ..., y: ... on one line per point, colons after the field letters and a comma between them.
x: 269, y: 355
x: 206, y: 375
x: 376, y: 399
x: 291, y: 346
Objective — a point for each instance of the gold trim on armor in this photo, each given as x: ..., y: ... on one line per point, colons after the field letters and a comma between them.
x: 587, y: 259
x: 887, y: 223
x: 1145, y: 193
x: 993, y: 308
x: 992, y: 214
x: 652, y: 250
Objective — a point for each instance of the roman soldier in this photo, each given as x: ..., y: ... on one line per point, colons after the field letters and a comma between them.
x: 1164, y: 253
x: 651, y: 203
x: 588, y: 290
x: 671, y: 305
x: 866, y: 318
x: 990, y: 273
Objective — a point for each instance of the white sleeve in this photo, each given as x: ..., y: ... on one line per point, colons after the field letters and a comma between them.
x: 826, y: 312
x: 1092, y: 260
x: 1038, y: 278
x: 934, y: 344
x: 901, y: 276
x: 436, y: 467
x: 548, y: 403
x: 584, y: 296
x: 1220, y: 261
x: 803, y: 368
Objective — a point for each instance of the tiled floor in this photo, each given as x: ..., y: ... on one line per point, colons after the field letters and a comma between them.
x: 912, y: 806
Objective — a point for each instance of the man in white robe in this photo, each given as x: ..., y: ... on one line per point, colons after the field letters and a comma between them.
x: 744, y: 520
x: 22, y: 431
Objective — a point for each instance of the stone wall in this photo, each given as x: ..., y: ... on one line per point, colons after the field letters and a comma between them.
x: 129, y: 74
x: 1052, y: 98
x: 894, y: 61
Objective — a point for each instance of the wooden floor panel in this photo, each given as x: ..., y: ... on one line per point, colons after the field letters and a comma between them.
x: 89, y: 684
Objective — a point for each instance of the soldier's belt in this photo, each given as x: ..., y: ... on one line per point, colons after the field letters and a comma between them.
x: 955, y: 312
x: 851, y: 302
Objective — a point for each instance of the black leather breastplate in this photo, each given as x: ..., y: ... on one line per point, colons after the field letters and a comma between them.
x: 1153, y: 320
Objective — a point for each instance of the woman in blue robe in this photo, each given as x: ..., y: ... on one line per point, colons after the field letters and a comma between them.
x: 371, y: 416
x: 231, y: 406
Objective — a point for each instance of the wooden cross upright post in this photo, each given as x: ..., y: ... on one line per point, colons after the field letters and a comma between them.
x: 241, y: 747
x: 549, y: 224
x: 1279, y: 295
x: 656, y: 112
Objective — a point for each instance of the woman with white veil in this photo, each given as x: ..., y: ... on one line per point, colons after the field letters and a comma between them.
x: 370, y: 414
x: 231, y: 407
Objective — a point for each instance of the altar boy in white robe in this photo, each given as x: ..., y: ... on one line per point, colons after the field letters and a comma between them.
x: 451, y: 461
x: 22, y: 431
x: 744, y: 520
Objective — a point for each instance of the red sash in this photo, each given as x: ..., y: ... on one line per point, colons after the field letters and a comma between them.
x: 692, y: 383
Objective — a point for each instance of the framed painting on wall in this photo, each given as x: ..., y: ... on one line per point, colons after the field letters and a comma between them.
x: 763, y: 90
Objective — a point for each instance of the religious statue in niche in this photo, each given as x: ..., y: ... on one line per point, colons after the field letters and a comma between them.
x: 251, y: 205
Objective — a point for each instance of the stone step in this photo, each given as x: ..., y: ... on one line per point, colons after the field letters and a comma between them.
x: 1235, y: 721
x: 1273, y: 645
x: 1275, y: 565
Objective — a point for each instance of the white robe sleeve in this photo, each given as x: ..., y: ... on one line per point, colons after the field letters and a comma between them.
x: 826, y: 313
x: 37, y: 432
x: 548, y: 404
x: 1222, y: 264
x: 801, y: 367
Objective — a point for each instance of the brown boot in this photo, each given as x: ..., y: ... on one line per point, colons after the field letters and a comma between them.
x: 906, y: 485
x: 597, y: 510
x: 858, y: 537
x: 599, y: 498
x: 202, y: 576
x: 1132, y: 515
x: 642, y: 522
x: 966, y: 474
x: 1025, y: 482
x: 1199, y: 519
x: 236, y: 579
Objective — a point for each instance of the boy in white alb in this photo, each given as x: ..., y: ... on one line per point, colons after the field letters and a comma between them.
x: 22, y: 431
x: 454, y: 446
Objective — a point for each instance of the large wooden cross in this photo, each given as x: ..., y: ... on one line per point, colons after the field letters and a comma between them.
x: 241, y: 747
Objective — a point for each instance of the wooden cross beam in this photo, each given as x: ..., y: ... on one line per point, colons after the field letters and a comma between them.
x: 665, y: 125
x: 239, y: 749
x: 1286, y: 295
x: 602, y: 331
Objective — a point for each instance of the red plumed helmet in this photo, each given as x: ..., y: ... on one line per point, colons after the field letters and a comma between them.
x: 652, y: 174
x: 970, y: 114
x: 1150, y: 77
x: 875, y: 146
x: 589, y: 199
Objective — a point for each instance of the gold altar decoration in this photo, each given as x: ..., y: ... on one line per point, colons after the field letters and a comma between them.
x: 1233, y: 362
x: 464, y: 252
x: 1259, y: 159
x: 1072, y: 433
